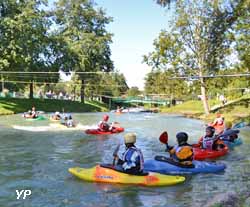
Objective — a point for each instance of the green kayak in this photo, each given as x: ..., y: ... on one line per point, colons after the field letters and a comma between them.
x: 39, y: 118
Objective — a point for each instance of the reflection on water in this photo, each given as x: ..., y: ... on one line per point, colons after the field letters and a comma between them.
x: 38, y: 160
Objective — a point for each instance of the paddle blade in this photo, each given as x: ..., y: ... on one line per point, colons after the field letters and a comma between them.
x: 164, y: 137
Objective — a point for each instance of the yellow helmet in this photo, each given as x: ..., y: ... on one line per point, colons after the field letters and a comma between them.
x: 228, y: 124
x: 130, y: 138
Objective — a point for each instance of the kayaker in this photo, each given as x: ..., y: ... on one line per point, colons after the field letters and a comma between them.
x: 183, y: 152
x: 210, y: 141
x: 27, y: 114
x: 219, y: 121
x: 103, y: 125
x: 33, y: 112
x: 131, y: 161
x: 118, y: 109
x: 56, y: 116
x: 68, y: 121
x: 230, y: 134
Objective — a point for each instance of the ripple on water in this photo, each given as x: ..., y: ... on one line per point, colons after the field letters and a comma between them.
x: 39, y: 161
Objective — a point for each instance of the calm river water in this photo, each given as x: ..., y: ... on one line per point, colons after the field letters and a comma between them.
x: 38, y: 160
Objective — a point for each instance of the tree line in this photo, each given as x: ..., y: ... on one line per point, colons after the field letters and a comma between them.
x: 69, y: 36
x: 206, y: 37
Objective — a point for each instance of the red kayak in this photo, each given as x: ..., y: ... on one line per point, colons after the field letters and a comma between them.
x: 202, y: 154
x: 97, y: 131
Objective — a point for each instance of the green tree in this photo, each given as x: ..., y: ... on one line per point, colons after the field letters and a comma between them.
x: 25, y: 42
x: 133, y: 91
x: 199, y: 41
x: 81, y: 29
x: 159, y: 82
x: 111, y: 84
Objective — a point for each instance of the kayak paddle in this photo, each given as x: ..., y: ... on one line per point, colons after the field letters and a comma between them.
x: 240, y: 125
x: 115, y: 153
x: 229, y: 132
x: 164, y: 137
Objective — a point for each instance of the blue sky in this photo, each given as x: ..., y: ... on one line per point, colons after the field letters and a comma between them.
x: 135, y: 26
x: 136, y: 23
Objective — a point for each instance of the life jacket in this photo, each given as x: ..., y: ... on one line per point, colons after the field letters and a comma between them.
x: 34, y: 114
x: 208, y: 142
x: 133, y: 158
x: 182, y: 154
x: 103, y: 126
x: 218, y: 122
x: 219, y: 141
x: 70, y: 123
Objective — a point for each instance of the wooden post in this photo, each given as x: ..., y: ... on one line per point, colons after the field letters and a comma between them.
x: 2, y: 83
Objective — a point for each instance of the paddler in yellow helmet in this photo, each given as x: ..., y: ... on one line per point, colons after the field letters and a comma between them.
x: 131, y: 160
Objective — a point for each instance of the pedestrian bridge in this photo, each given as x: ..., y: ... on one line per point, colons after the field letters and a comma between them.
x: 137, y: 100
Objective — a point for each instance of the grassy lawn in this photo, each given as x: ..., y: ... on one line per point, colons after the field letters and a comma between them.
x: 189, y: 107
x: 195, y: 109
x: 12, y: 105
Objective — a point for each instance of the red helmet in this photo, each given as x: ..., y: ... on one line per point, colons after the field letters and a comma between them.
x: 105, y: 117
x: 218, y: 115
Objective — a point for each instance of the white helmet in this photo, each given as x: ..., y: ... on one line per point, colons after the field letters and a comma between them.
x: 57, y: 113
x: 130, y: 138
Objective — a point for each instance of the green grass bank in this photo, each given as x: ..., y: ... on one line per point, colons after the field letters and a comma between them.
x: 15, y: 105
x: 194, y: 109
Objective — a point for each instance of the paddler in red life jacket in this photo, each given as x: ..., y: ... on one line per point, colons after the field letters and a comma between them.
x: 219, y: 120
x: 218, y: 123
x: 103, y: 125
x: 183, y: 152
x: 132, y: 160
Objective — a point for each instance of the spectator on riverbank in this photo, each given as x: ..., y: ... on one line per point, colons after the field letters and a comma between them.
x: 222, y: 99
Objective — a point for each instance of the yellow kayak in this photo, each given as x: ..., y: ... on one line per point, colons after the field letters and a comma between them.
x: 55, y: 120
x: 107, y: 175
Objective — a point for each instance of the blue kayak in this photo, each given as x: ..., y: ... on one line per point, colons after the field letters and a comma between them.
x: 236, y: 142
x: 166, y: 165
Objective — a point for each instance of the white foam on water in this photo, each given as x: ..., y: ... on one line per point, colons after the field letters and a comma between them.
x: 53, y: 127
x: 32, y: 128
